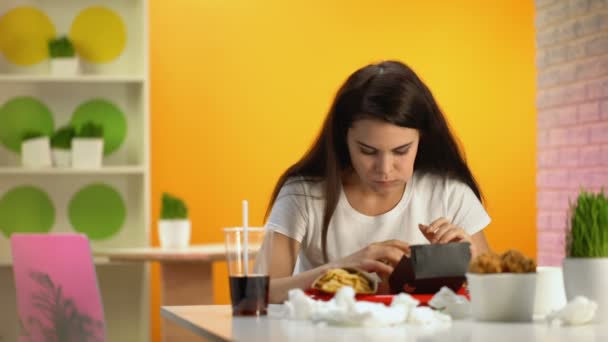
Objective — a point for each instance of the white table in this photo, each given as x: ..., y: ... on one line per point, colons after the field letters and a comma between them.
x: 215, y: 323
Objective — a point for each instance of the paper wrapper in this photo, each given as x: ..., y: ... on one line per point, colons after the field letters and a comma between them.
x: 353, y: 277
x: 430, y: 267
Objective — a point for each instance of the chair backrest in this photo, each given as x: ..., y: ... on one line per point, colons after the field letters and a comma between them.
x: 58, y: 297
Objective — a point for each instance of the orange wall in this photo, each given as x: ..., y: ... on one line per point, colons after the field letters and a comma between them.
x: 240, y: 87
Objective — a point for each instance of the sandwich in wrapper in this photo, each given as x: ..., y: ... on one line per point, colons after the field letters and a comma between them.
x: 332, y: 280
x: 430, y: 267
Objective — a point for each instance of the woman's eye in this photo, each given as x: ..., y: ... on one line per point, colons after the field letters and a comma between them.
x: 368, y: 152
x: 402, y: 152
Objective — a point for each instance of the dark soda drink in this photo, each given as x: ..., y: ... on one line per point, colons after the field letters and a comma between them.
x: 249, y: 295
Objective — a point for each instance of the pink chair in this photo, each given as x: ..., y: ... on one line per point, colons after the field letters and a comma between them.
x: 58, y: 296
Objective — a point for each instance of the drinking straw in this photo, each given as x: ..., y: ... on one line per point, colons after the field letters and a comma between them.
x: 245, y: 236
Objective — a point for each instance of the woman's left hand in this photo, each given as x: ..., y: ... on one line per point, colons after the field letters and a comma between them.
x: 442, y: 231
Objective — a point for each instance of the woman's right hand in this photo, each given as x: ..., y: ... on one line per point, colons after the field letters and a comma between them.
x: 378, y: 257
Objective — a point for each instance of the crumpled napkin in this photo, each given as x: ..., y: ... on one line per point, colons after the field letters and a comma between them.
x: 448, y: 302
x: 344, y: 310
x: 578, y: 311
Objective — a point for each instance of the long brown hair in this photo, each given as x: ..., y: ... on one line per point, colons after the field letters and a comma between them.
x: 392, y: 92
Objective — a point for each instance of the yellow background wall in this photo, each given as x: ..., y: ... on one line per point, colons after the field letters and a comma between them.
x: 240, y: 87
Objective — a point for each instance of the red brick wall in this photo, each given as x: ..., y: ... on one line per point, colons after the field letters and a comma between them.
x: 572, y: 103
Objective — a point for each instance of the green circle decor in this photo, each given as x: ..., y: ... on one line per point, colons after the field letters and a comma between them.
x: 98, y: 211
x: 26, y: 209
x: 21, y: 115
x: 104, y: 113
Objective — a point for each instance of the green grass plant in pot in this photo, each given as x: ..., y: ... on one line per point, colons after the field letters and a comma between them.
x: 586, y: 263
x: 64, y: 61
x: 61, y: 146
x: 174, y: 226
x: 87, y: 146
x: 35, y: 150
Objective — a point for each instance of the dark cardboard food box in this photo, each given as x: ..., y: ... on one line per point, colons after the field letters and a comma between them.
x: 430, y: 267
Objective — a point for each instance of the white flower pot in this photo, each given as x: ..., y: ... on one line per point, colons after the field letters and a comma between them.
x: 61, y: 157
x: 87, y: 153
x: 174, y: 234
x: 65, y: 66
x: 588, y: 277
x: 36, y: 152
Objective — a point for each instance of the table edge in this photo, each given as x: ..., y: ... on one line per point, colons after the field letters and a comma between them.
x: 167, y: 314
x: 207, y: 259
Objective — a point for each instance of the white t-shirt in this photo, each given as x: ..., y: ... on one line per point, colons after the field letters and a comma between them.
x: 298, y: 214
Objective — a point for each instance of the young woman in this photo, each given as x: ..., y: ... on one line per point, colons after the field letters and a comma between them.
x: 384, y: 173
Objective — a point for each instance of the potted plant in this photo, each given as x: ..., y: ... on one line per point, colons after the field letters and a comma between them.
x: 87, y: 146
x: 174, y: 226
x: 35, y: 150
x: 61, y: 145
x: 586, y: 263
x: 63, y: 56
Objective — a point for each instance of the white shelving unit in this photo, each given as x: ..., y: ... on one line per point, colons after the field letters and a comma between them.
x: 125, y: 83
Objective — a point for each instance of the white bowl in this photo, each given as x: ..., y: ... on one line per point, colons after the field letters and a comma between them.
x: 505, y: 297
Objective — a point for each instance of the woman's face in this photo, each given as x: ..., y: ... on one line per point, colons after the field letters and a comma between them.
x: 382, y: 154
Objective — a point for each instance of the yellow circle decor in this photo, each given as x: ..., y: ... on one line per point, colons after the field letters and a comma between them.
x: 99, y: 34
x: 24, y: 35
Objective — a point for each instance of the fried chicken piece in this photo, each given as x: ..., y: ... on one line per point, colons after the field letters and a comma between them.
x: 486, y: 263
x: 515, y: 262
x: 530, y: 266
x: 512, y: 261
